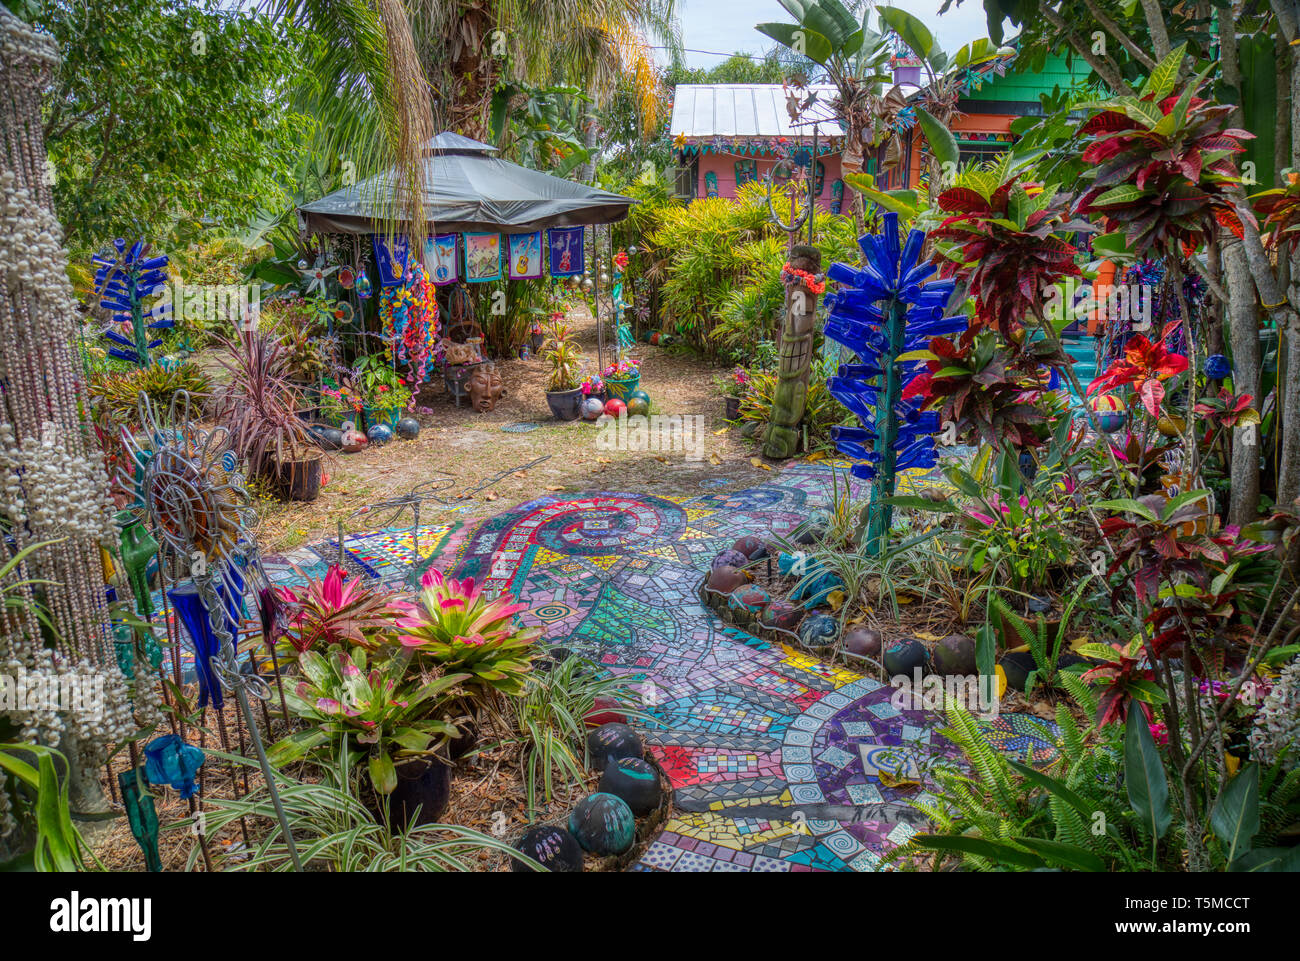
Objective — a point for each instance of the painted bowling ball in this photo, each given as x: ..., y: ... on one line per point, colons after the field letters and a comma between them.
x: 1110, y: 412
x: 1016, y: 667
x: 614, y: 407
x: 603, y: 824
x: 326, y: 437
x: 955, y: 655
x: 552, y: 847
x: 353, y: 439
x: 781, y: 615
x: 726, y: 579
x: 1171, y: 425
x: 748, y: 601
x: 638, y: 407
x: 635, y: 781
x: 592, y: 407
x: 814, y: 528
x: 750, y: 546
x: 863, y: 642
x: 379, y: 434
x: 604, y: 710
x: 408, y: 428
x: 612, y: 742
x: 905, y: 656
x: 729, y: 558
x: 818, y: 630
x: 638, y: 393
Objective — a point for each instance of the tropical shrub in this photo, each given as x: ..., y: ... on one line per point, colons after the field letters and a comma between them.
x: 116, y: 395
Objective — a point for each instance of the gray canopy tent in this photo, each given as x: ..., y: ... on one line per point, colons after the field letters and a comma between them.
x: 466, y: 188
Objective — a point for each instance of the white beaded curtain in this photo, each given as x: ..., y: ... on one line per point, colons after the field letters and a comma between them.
x: 52, y: 479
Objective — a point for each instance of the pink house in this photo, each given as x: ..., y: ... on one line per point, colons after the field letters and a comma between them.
x: 729, y: 134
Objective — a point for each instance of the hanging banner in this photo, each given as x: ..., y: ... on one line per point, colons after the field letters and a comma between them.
x: 525, y: 256
x: 390, y: 256
x: 440, y: 259
x: 565, y: 246
x: 482, y: 257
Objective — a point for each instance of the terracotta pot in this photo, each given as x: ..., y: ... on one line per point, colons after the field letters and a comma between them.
x: 565, y: 404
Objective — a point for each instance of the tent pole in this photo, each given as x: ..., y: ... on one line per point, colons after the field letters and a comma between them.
x: 595, y: 289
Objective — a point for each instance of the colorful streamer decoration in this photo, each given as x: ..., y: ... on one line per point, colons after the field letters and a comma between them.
x: 884, y: 310
x: 408, y: 314
x: 123, y: 284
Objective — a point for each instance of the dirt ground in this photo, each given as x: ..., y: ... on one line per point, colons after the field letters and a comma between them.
x: 471, y: 447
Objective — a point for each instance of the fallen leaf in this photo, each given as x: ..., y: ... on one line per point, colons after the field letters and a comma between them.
x: 719, y: 433
x: 555, y: 488
x: 715, y: 460
x: 759, y: 464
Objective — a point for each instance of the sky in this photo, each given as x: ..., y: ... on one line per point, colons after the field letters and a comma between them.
x: 726, y: 26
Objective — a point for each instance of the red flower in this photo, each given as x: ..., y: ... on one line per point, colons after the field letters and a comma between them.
x: 1145, y: 366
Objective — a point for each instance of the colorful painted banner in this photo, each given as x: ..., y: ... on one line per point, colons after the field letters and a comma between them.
x: 482, y: 257
x: 567, y: 256
x: 390, y: 255
x: 440, y: 259
x: 525, y: 256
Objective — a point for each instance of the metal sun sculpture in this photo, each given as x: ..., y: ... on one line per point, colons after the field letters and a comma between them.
x: 187, y: 479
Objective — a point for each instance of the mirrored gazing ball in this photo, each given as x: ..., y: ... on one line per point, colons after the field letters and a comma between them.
x: 408, y: 428
x: 592, y: 407
x: 551, y: 846
x: 729, y: 558
x: 611, y: 742
x: 379, y: 434
x: 1217, y: 367
x: 818, y: 630
x: 603, y: 824
x: 635, y: 781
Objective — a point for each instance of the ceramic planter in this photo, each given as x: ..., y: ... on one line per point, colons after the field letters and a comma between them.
x: 621, y: 387
x: 423, y: 784
x: 565, y: 404
x: 299, y: 480
x: 388, y: 418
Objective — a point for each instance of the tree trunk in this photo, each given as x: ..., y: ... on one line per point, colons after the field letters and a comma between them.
x: 1243, y: 329
x: 790, y: 399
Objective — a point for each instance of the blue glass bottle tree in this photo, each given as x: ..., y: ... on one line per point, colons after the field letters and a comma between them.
x: 884, y: 310
x: 123, y: 284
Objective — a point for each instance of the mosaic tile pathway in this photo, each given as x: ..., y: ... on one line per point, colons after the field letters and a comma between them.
x: 776, y: 757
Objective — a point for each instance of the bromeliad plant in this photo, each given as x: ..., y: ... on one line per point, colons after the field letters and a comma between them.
x: 340, y: 610
x: 381, y: 707
x: 459, y: 629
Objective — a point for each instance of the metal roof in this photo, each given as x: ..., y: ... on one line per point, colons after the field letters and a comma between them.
x: 748, y: 110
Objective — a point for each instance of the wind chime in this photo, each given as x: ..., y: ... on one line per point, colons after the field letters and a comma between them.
x: 883, y: 310
x: 55, y: 490
x: 187, y: 479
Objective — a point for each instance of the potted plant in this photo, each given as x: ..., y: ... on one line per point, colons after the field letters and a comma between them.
x: 339, y: 404
x: 260, y: 410
x: 593, y: 387
x: 386, y: 393
x: 733, y: 386
x: 376, y: 706
x: 563, y: 356
x: 457, y: 628
x: 622, y: 377
x: 334, y: 610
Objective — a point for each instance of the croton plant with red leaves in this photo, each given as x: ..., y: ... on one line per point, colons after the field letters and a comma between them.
x: 1162, y: 167
x: 1281, y: 209
x: 1001, y: 239
x: 1145, y: 367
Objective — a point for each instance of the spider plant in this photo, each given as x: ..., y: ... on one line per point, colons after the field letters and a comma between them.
x: 260, y: 407
x: 59, y: 845
x: 550, y: 719
x: 335, y: 832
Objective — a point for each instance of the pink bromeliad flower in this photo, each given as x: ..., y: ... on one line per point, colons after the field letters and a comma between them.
x: 458, y: 612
